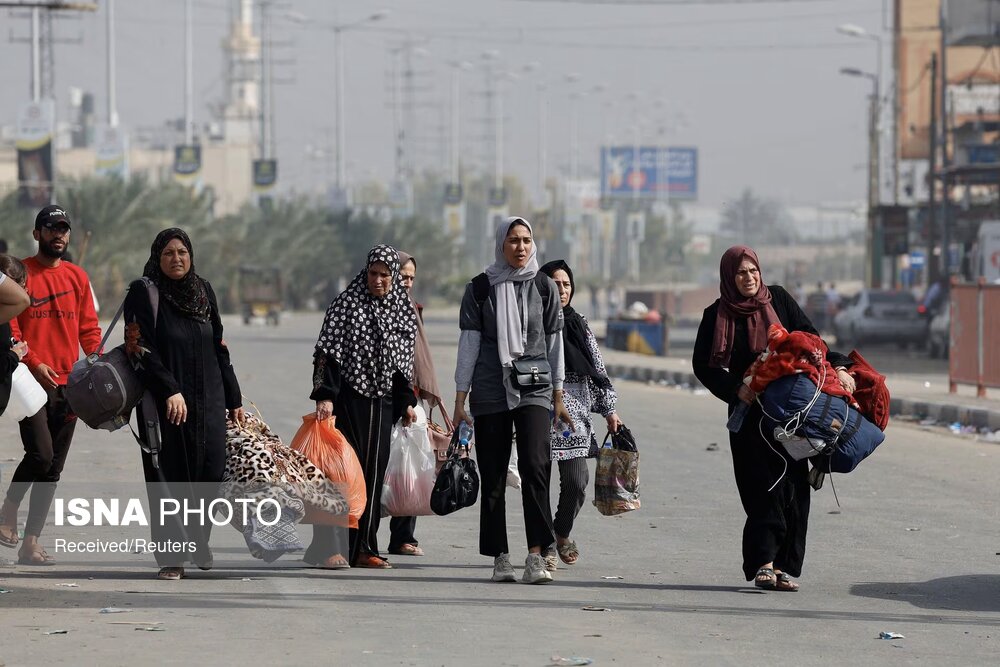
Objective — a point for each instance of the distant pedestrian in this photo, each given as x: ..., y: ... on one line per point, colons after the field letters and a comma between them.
x: 362, y: 373
x: 800, y: 294
x: 773, y: 487
x: 815, y: 307
x: 515, y: 318
x: 587, y: 389
x: 832, y: 303
x: 59, y: 322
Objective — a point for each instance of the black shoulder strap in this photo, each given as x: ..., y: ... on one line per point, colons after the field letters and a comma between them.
x: 481, y: 289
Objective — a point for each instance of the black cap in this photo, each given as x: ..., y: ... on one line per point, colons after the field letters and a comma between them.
x: 50, y: 217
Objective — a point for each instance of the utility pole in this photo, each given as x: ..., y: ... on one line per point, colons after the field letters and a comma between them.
x: 932, y: 259
x: 266, y: 139
x: 945, y: 223
x: 112, y: 92
x: 542, y: 140
x: 188, y: 75
x: 36, y: 56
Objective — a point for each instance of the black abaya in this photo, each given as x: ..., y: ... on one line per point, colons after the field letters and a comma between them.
x: 182, y: 355
x: 367, y: 425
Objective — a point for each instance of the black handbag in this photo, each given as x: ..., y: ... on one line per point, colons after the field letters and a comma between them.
x: 530, y: 374
x: 457, y: 483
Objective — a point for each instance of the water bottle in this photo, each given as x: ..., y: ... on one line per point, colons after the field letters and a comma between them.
x: 465, y: 433
x: 565, y: 427
x: 735, y: 422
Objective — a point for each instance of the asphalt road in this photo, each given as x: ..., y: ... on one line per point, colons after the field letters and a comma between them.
x: 911, y: 549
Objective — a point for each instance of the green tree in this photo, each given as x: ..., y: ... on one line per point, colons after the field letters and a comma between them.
x: 751, y: 219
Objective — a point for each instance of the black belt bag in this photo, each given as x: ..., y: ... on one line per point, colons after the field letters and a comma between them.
x: 530, y: 374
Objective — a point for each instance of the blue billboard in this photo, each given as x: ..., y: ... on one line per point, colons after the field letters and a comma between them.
x: 667, y: 173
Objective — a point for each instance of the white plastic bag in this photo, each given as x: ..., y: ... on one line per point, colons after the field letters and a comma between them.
x: 410, y: 475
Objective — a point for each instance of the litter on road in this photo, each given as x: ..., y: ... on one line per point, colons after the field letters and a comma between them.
x: 573, y: 660
x: 56, y: 632
x: 114, y: 610
x: 590, y: 608
x: 69, y: 585
x: 890, y: 635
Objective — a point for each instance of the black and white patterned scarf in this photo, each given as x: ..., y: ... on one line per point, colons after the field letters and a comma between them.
x: 371, y: 338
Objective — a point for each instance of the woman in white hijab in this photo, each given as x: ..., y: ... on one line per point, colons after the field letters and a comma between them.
x: 510, y: 365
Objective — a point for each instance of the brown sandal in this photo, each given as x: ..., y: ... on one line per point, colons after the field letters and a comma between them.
x: 8, y: 536
x: 38, y: 556
x: 407, y: 550
x: 334, y: 562
x: 8, y: 525
x: 785, y: 583
x: 568, y: 552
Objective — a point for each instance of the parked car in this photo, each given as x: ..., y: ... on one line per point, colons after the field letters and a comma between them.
x: 939, y: 334
x: 875, y: 315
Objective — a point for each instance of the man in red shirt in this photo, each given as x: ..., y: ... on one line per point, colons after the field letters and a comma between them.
x: 60, y: 320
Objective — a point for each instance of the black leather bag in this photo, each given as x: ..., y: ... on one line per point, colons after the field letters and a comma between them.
x: 457, y: 483
x: 530, y: 374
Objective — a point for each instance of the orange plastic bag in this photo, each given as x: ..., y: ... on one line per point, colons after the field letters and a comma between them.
x: 329, y: 450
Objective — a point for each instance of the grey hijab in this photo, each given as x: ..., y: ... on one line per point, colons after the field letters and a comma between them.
x: 512, y: 331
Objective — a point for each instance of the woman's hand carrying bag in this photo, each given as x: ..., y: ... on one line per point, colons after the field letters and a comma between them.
x: 457, y: 483
x: 616, y: 483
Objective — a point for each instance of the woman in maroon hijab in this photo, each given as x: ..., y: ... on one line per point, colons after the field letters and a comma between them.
x: 773, y: 487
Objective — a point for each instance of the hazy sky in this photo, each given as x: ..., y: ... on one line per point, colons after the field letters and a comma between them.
x: 756, y: 83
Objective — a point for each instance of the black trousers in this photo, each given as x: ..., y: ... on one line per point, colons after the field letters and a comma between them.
x: 777, y: 520
x: 573, y: 480
x: 46, y: 437
x: 494, y: 434
x: 401, y: 531
x: 367, y: 425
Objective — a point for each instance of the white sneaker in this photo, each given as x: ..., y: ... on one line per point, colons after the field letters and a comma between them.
x: 502, y: 569
x: 534, y: 570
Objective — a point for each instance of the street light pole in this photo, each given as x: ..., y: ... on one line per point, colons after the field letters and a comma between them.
x: 873, y: 271
x: 338, y: 73
x: 112, y: 92
x: 36, y: 55
x: 542, y: 140
x: 188, y: 75
x: 852, y: 30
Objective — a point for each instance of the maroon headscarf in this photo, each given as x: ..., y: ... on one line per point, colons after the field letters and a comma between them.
x: 732, y: 305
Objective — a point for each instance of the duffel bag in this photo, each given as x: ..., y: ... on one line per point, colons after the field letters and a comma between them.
x: 792, y: 404
x: 102, y: 389
x: 857, y: 441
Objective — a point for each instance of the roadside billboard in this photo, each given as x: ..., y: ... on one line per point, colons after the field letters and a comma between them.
x: 187, y: 165
x: 649, y: 172
x: 265, y: 177
x: 35, y: 170
x: 111, y: 150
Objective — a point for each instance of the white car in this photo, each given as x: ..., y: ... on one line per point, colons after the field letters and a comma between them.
x: 877, y: 315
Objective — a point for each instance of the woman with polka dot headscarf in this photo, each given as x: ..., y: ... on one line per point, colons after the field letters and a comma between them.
x: 363, y: 369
